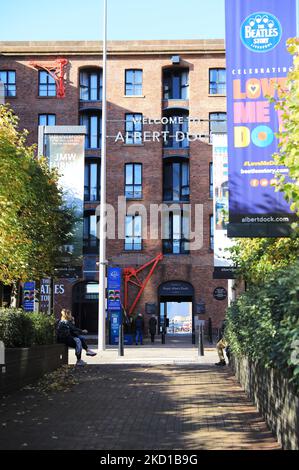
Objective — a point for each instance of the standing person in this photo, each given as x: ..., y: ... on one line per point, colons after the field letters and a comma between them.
x: 153, y: 327
x: 139, y: 324
x: 68, y: 334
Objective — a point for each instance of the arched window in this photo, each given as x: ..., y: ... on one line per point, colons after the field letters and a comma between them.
x: 91, y: 84
x: 176, y: 84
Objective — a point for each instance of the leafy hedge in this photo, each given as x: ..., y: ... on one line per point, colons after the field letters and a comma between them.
x: 20, y: 329
x: 263, y: 323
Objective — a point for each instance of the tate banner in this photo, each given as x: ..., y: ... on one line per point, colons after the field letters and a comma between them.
x: 45, y: 296
x: 64, y: 148
x: 223, y: 266
x: 257, y: 65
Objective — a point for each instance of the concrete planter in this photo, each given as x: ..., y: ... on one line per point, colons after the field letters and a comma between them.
x: 273, y: 396
x: 25, y: 365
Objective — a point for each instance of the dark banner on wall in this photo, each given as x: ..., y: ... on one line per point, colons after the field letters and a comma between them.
x: 257, y: 61
x: 45, y: 296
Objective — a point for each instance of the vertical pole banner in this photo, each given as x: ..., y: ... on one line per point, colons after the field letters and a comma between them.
x: 65, y: 153
x: 114, y: 302
x: 223, y: 267
x: 257, y: 61
x: 29, y: 296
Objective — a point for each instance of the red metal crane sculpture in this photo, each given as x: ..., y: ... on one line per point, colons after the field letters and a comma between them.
x: 131, y: 277
x: 56, y: 70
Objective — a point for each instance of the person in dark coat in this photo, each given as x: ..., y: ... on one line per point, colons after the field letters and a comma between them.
x: 139, y: 324
x: 153, y: 327
x: 68, y: 334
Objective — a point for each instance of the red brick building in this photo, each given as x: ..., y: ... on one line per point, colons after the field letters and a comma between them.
x: 182, y: 81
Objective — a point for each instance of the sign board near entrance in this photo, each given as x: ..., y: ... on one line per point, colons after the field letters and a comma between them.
x: 176, y: 289
x: 150, y: 309
x: 220, y: 293
x: 201, y: 308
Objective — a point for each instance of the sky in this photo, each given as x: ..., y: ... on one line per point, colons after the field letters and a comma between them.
x: 35, y: 20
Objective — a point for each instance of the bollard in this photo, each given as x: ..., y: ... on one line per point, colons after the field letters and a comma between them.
x: 121, y: 340
x: 2, y: 353
x: 210, y: 331
x: 163, y: 335
x: 200, y: 340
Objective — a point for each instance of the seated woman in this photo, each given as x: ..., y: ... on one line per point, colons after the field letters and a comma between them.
x: 68, y: 334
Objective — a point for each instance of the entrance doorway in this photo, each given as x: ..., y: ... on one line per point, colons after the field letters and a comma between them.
x: 176, y: 300
x: 85, y: 306
x: 179, y: 316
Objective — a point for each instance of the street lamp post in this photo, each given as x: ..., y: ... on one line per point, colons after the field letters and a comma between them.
x: 102, y: 231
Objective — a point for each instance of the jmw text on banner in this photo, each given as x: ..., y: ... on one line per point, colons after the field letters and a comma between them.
x: 257, y: 61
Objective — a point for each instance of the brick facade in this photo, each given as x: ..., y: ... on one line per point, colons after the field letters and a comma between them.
x: 152, y: 57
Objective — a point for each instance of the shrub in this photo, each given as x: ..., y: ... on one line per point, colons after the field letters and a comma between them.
x: 263, y: 323
x: 16, y: 328
x: 44, y: 328
x: 21, y: 329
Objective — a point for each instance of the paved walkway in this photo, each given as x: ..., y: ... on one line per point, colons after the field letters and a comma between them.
x: 177, y: 350
x: 133, y: 406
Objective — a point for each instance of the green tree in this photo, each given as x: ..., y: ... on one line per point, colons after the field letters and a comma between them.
x: 33, y: 222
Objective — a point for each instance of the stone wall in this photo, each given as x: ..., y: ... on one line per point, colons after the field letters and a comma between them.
x: 274, y: 397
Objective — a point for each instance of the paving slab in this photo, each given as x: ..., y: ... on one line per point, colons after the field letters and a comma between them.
x: 133, y: 406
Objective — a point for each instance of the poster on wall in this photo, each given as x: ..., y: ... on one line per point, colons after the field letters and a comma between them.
x: 257, y: 63
x: 223, y: 266
x: 64, y: 148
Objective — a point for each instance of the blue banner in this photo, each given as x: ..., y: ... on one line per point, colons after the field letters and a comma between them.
x: 257, y: 62
x: 114, y: 302
x: 114, y: 288
x: 28, y: 296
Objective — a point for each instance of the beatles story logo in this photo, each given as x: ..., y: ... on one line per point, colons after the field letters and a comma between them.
x: 261, y: 32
